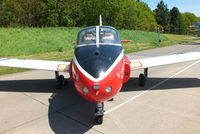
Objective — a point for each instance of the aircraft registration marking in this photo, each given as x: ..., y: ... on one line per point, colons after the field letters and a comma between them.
x: 63, y: 67
x: 136, y: 64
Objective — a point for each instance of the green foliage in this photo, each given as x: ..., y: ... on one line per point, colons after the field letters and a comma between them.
x: 49, y: 13
x: 64, y: 13
x: 20, y: 12
x: 191, y: 18
x: 188, y: 20
x: 146, y: 20
x: 162, y: 15
x: 181, y: 26
x: 177, y: 22
x: 174, y: 15
x: 123, y: 14
x: 9, y: 13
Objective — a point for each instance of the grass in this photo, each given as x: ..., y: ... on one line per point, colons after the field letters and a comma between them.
x: 149, y: 40
x: 27, y: 41
x: 56, y: 43
x: 141, y: 36
x: 176, y: 39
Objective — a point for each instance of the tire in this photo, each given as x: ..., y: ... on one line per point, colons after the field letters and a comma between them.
x: 99, y: 120
x: 60, y: 82
x: 142, y: 80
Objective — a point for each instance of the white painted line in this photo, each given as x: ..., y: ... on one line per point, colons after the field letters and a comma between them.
x: 158, y: 84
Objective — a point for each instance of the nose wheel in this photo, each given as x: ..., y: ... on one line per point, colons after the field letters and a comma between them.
x: 99, y: 112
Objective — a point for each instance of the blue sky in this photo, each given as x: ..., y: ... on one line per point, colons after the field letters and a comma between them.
x: 192, y: 6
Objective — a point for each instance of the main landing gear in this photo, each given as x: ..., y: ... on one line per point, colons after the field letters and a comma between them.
x: 60, y: 80
x: 99, y: 112
x: 143, y: 77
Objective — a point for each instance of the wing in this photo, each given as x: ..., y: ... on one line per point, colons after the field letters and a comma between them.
x: 35, y: 64
x: 164, y: 60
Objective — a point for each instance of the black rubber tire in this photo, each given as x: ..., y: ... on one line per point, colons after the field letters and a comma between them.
x: 142, y: 80
x: 99, y: 120
x: 60, y: 82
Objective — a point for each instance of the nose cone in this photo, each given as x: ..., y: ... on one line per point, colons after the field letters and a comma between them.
x: 96, y: 65
x: 97, y: 60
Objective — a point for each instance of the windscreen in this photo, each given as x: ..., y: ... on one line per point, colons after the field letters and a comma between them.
x: 106, y: 35
x: 87, y: 36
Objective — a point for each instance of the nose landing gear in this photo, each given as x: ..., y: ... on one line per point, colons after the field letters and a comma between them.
x: 99, y: 112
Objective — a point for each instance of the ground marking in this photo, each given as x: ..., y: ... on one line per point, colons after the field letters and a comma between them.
x: 147, y: 90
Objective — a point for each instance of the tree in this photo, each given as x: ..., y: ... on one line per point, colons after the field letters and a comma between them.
x: 191, y: 17
x: 9, y: 15
x: 30, y: 12
x: 162, y: 15
x: 174, y: 15
x: 181, y: 25
x: 64, y: 11
x: 49, y: 13
x: 145, y: 17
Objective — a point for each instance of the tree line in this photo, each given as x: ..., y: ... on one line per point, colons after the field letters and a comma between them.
x: 172, y: 20
x: 122, y: 14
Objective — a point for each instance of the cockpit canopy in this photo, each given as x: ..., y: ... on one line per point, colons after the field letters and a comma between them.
x: 98, y: 35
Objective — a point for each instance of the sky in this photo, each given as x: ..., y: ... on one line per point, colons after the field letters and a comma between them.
x: 192, y: 6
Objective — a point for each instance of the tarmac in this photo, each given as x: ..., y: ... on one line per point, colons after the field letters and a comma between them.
x: 169, y: 103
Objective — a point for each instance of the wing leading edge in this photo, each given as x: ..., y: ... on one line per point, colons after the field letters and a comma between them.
x: 35, y: 64
x: 64, y: 66
x: 164, y: 60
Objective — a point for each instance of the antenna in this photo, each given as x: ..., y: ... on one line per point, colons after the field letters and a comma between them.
x: 100, y: 20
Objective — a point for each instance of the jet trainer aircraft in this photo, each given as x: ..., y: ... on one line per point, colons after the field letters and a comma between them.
x: 99, y: 67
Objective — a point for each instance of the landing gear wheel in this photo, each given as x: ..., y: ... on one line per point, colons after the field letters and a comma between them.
x: 142, y: 80
x: 60, y: 82
x: 99, y: 119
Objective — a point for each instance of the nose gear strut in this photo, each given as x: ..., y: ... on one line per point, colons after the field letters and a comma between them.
x: 99, y: 112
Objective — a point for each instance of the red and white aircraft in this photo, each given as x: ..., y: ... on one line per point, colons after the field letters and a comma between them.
x: 99, y: 67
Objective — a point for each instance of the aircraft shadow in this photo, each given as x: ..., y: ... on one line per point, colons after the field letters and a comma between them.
x: 171, y: 84
x: 69, y: 112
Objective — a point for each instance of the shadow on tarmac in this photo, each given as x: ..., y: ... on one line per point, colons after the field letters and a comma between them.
x: 69, y: 112
x: 171, y: 84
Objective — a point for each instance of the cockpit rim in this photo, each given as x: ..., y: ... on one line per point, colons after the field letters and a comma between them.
x: 116, y: 41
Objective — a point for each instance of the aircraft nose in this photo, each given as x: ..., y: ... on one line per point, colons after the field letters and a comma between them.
x: 96, y: 66
x: 97, y: 60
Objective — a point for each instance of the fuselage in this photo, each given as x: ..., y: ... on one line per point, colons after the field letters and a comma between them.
x: 99, y: 67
